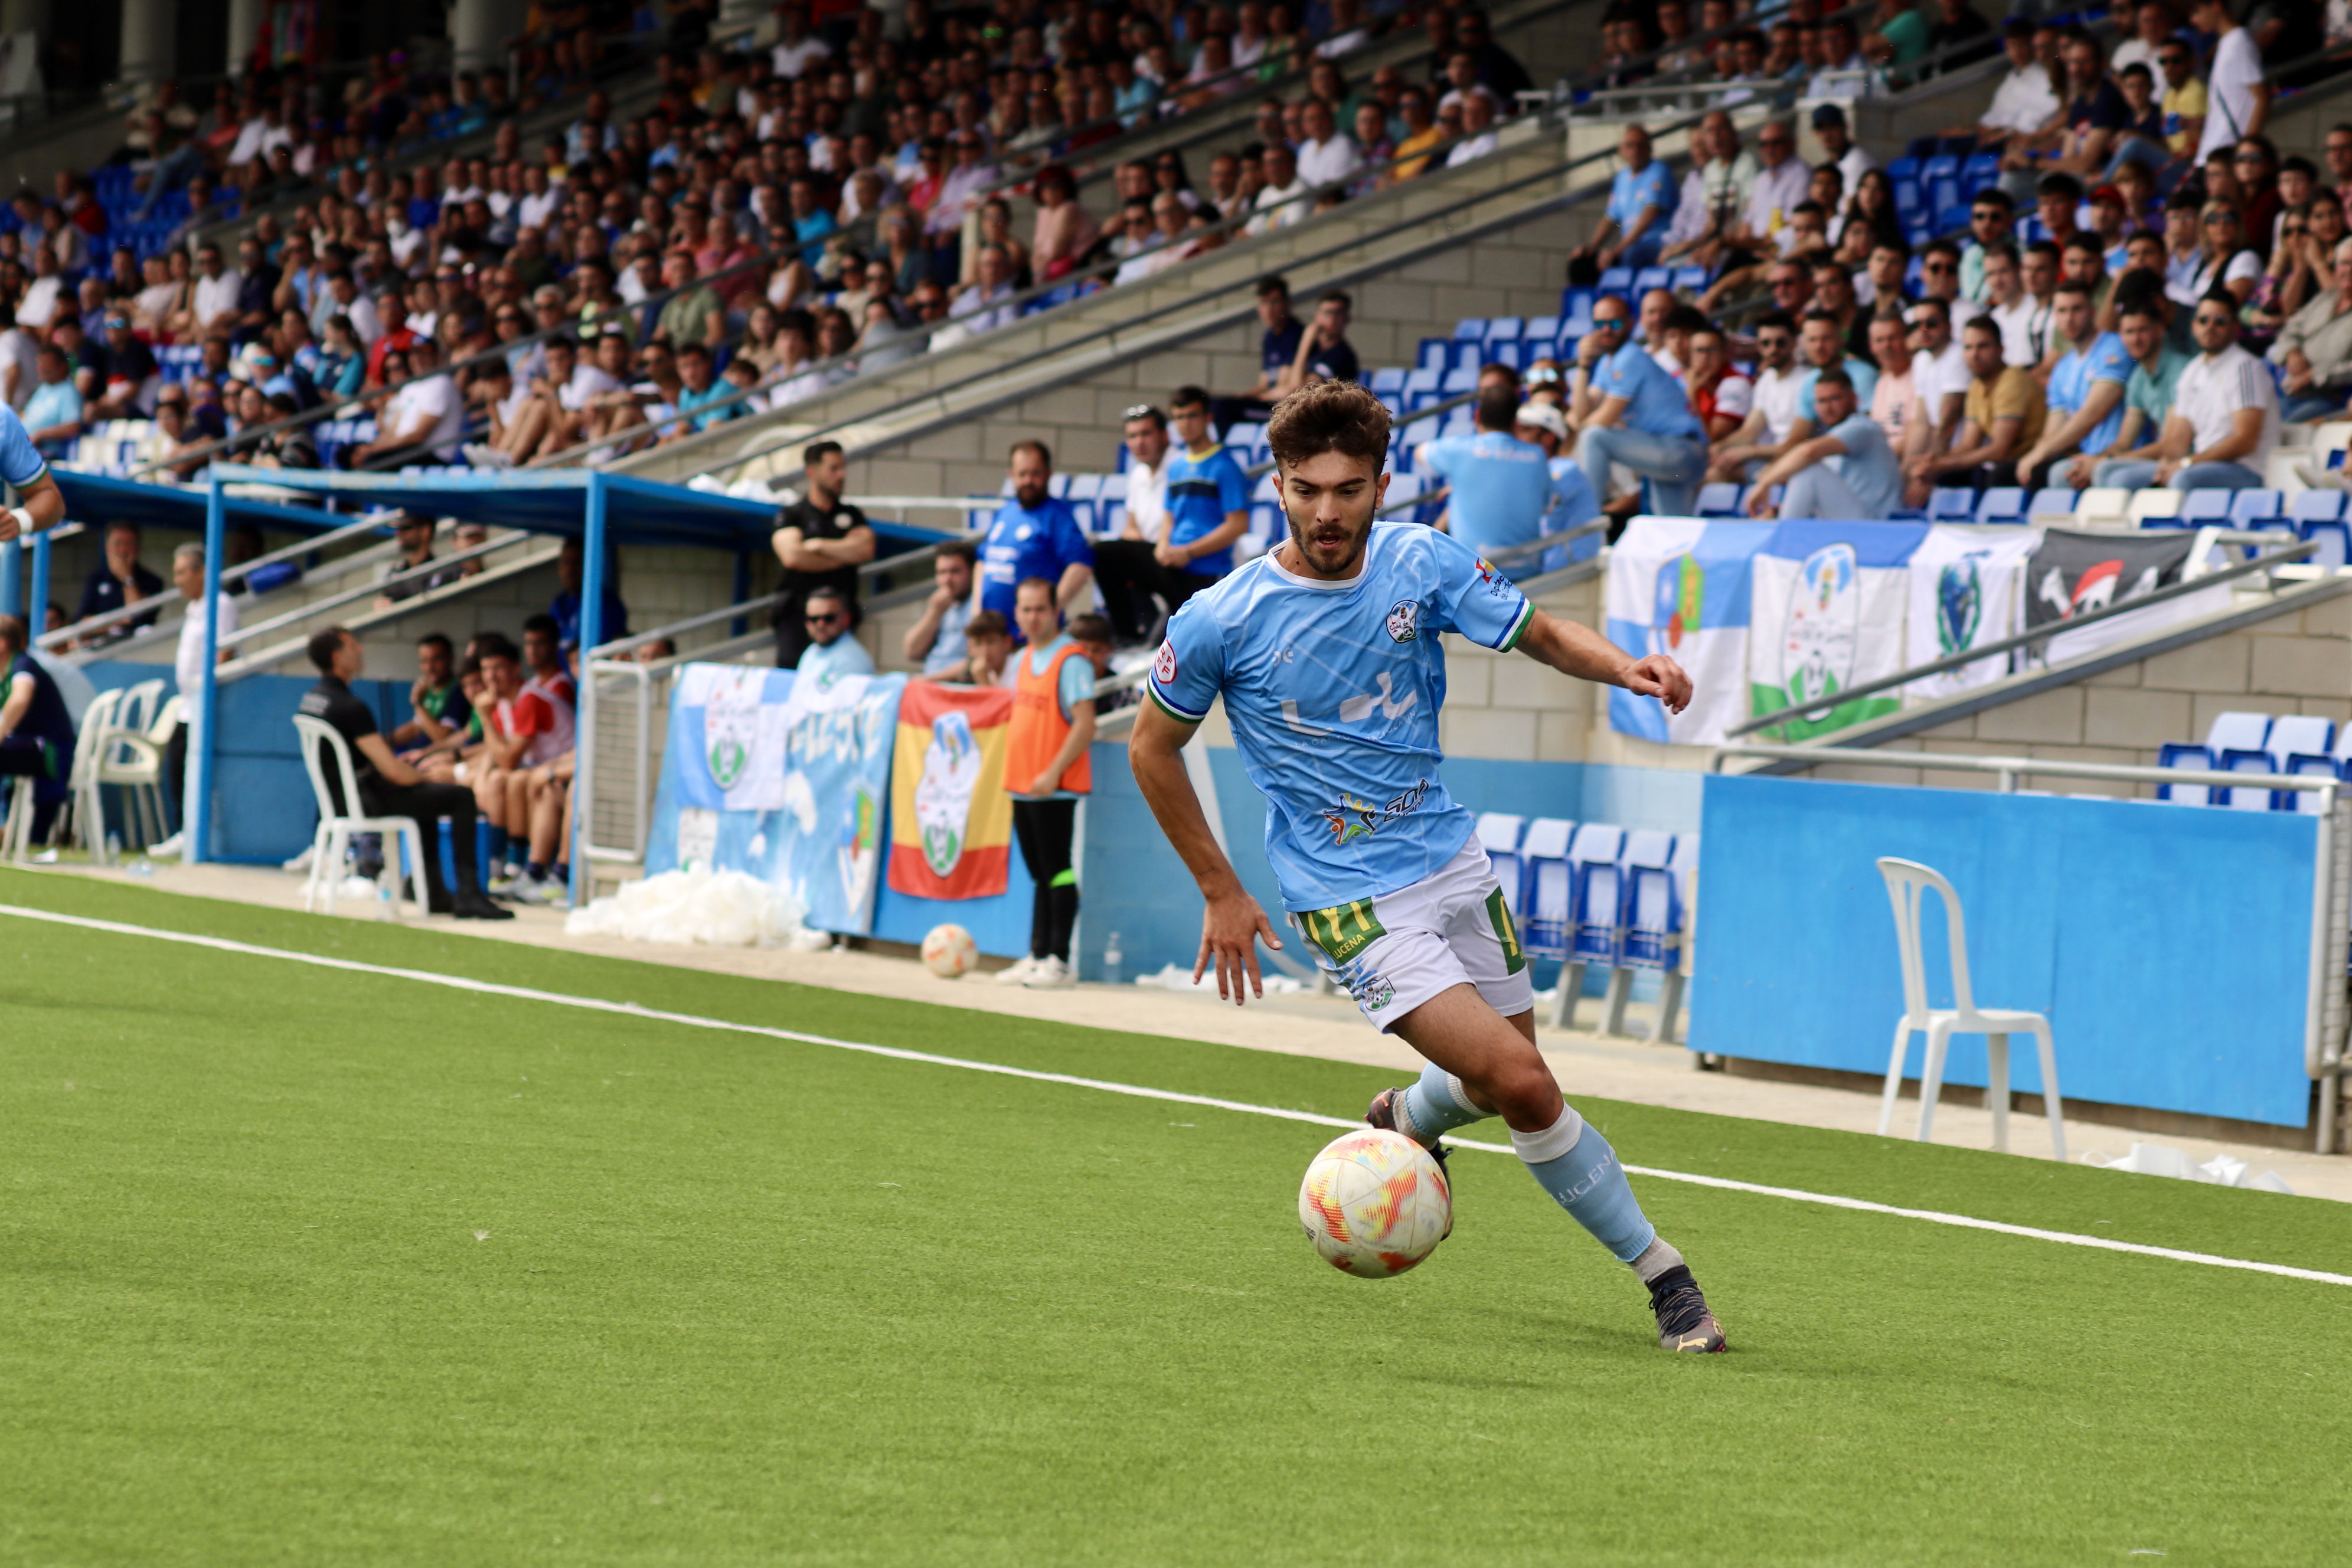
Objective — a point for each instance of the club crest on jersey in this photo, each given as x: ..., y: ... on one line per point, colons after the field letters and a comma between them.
x: 1163, y: 669
x: 1404, y: 620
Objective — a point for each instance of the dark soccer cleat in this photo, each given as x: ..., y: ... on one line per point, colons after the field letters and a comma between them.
x: 1683, y: 1321
x: 1382, y: 1113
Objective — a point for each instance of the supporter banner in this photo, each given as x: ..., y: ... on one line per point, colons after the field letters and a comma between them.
x: 783, y: 778
x: 951, y: 820
x: 1680, y: 587
x: 2076, y: 573
x: 1829, y: 610
x: 1968, y: 589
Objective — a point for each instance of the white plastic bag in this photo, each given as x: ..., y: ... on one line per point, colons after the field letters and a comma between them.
x: 716, y: 908
x: 1175, y: 978
x: 2163, y: 1160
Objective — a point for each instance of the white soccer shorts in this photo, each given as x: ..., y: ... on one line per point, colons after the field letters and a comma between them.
x: 1395, y: 952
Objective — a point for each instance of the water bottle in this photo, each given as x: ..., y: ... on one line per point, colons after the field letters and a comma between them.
x: 142, y: 867
x: 113, y: 844
x: 1111, y: 959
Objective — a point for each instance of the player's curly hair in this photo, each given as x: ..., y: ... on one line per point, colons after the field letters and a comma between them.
x: 1330, y: 417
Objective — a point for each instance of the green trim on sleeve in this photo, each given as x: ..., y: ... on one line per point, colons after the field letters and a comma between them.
x: 1518, y: 627
x: 1165, y: 707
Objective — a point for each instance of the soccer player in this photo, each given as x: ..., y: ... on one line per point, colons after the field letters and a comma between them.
x: 1325, y: 654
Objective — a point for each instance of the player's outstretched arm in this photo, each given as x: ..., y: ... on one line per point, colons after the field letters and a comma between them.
x: 1576, y: 650
x: 1232, y: 923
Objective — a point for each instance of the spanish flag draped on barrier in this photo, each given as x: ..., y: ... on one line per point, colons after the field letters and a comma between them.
x: 951, y: 820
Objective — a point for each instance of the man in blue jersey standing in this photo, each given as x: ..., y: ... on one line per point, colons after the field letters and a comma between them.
x: 1630, y: 411
x: 1206, y: 497
x: 1035, y: 534
x: 1499, y: 489
x: 1325, y: 654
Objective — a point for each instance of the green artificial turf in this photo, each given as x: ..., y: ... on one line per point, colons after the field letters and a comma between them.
x: 299, y: 1267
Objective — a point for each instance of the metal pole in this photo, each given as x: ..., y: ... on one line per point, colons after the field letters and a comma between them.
x: 196, y: 800
x: 12, y: 578
x: 592, y: 633
x: 36, y: 602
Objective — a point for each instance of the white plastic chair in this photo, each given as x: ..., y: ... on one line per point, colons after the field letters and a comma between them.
x: 17, y: 831
x: 131, y: 755
x: 1906, y: 882
x: 81, y: 780
x: 336, y: 831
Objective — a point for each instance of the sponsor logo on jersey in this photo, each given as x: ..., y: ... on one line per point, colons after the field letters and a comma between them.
x: 1404, y: 620
x: 1353, y: 818
x: 1163, y: 669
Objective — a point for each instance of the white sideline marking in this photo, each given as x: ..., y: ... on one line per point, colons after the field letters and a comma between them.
x: 631, y: 1009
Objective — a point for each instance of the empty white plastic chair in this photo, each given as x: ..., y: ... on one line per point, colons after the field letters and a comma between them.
x: 2145, y: 505
x: 1498, y: 836
x: 2102, y: 507
x: 1906, y: 883
x: 132, y: 756
x: 81, y: 783
x: 17, y: 831
x: 321, y: 744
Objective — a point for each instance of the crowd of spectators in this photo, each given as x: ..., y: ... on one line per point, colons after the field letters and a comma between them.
x: 781, y: 218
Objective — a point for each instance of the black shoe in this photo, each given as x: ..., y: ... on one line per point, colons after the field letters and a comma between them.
x: 1683, y: 1321
x: 475, y: 907
x: 1382, y: 1113
x: 439, y: 901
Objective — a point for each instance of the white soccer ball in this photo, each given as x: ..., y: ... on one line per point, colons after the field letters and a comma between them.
x: 1374, y: 1203
x: 948, y: 951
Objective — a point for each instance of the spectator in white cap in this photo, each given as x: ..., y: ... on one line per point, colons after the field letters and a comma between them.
x: 1542, y: 425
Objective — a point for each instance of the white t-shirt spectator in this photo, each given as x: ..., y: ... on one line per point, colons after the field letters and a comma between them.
x: 19, y: 353
x: 1329, y: 161
x: 1775, y: 195
x: 2230, y: 90
x: 190, y: 661
x: 791, y: 59
x: 39, y: 303
x: 2016, y: 323
x: 216, y: 297
x: 1777, y: 392
x: 2215, y: 386
x: 586, y: 382
x: 2023, y: 101
x: 2244, y: 264
x: 1279, y: 207
x: 1477, y: 146
x: 1146, y: 499
x: 1735, y: 394
x: 534, y: 209
x: 436, y: 398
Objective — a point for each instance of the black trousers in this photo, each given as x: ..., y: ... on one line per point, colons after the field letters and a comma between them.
x: 21, y: 756
x: 175, y: 768
x: 427, y: 805
x: 1130, y: 577
x: 1044, y: 828
x: 1225, y: 413
x: 1988, y: 476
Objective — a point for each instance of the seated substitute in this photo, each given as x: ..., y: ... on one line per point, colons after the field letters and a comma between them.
x: 390, y: 787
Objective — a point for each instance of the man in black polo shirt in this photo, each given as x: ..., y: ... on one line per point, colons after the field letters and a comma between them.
x: 121, y: 581
x: 390, y: 787
x: 822, y: 541
x: 1277, y: 347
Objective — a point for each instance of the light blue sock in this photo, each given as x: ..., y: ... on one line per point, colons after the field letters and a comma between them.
x: 1576, y: 1165
x: 1436, y: 1104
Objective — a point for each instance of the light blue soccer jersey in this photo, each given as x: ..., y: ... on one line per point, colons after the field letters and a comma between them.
x: 1333, y: 690
x: 20, y: 464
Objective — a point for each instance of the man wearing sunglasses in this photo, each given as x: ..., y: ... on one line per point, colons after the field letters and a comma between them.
x: 831, y: 650
x: 2225, y: 413
x: 1633, y: 412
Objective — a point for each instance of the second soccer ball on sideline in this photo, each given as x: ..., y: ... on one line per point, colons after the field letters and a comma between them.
x: 1374, y: 1203
x: 948, y: 951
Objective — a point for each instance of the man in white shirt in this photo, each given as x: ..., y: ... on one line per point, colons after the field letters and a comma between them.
x: 2009, y: 306
x: 986, y: 305
x: 2237, y: 100
x: 420, y: 423
x: 1773, y: 424
x: 1940, y: 381
x: 1249, y: 34
x: 1284, y: 201
x: 1837, y: 141
x: 1328, y: 155
x: 1478, y: 138
x: 1123, y: 564
x: 2025, y: 102
x: 1780, y: 185
x: 2225, y: 414
x: 218, y: 286
x: 39, y: 305
x: 797, y: 49
x: 188, y: 577
x: 539, y: 200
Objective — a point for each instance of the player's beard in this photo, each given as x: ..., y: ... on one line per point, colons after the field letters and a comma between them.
x: 1332, y: 549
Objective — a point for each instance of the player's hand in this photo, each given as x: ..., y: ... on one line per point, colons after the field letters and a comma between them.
x: 1232, y: 924
x: 1660, y: 677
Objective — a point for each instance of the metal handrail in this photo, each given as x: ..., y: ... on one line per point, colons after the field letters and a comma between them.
x: 2011, y: 769
x: 2043, y: 633
x: 406, y: 574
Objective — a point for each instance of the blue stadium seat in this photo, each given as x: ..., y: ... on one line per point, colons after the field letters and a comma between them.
x: 1617, y: 281
x: 2252, y: 509
x: 1458, y: 382
x: 1952, y: 506
x: 2189, y: 759
x: 1436, y: 354
x: 2304, y: 765
x: 1720, y: 498
x: 1499, y: 835
x: 1421, y: 388
x: 2200, y: 508
x: 2237, y: 732
x: 1504, y: 330
x: 1940, y: 181
x: 2317, y: 506
x: 1592, y: 861
x: 1542, y: 329
x: 2052, y: 502
x: 1471, y: 327
x: 2002, y: 503
x: 2242, y: 797
x: 1690, y: 279
x: 1576, y: 300
x: 2295, y: 734
x: 1980, y: 170
x: 1387, y: 381
x: 1651, y: 277
x: 1469, y: 353
x: 2335, y: 544
x: 1652, y: 917
x: 1905, y: 167
x: 1547, y: 887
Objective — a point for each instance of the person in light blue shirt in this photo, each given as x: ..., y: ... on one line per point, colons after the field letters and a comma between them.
x: 1033, y: 535
x: 1847, y: 473
x: 1641, y: 202
x: 2086, y: 387
x: 832, y: 652
x: 1498, y: 487
x: 1325, y: 654
x: 1633, y: 413
x: 1820, y: 343
x: 52, y: 416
